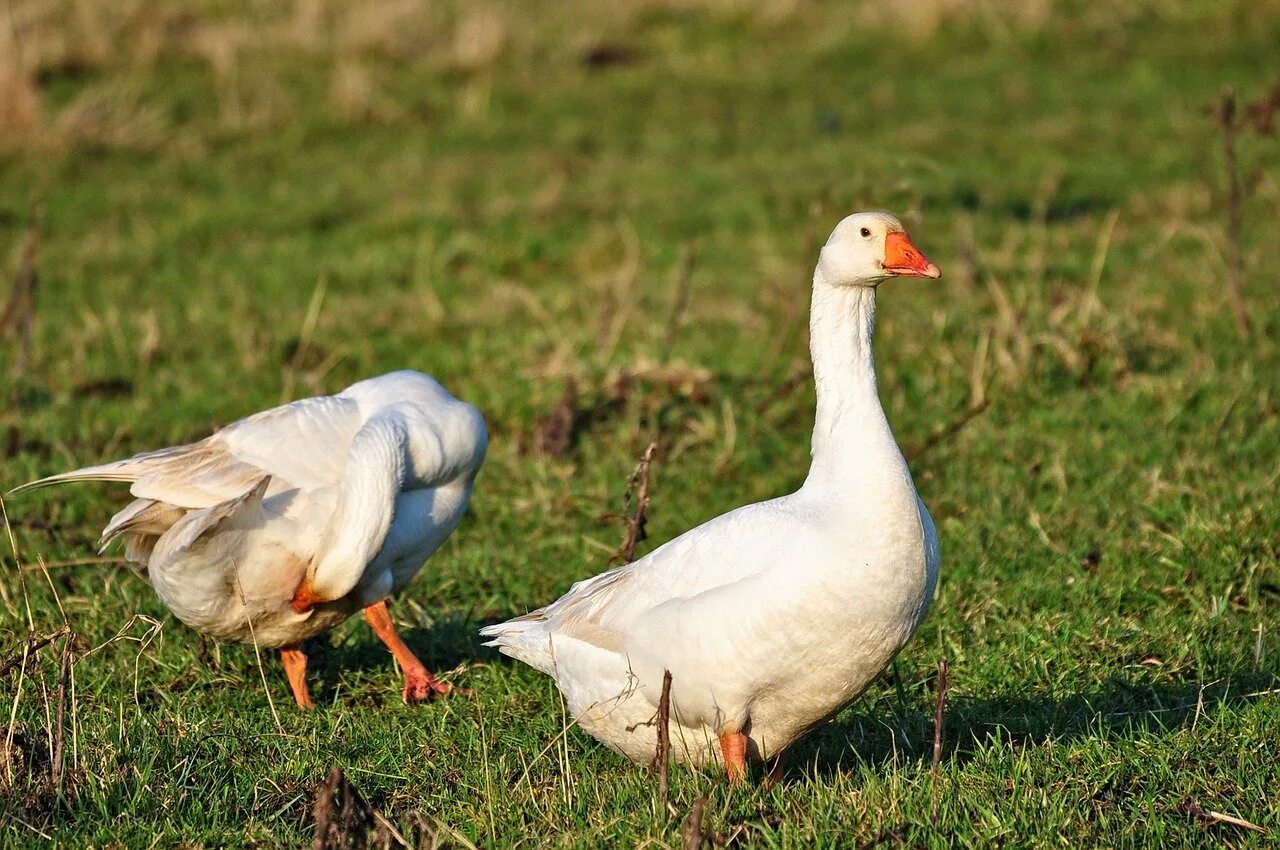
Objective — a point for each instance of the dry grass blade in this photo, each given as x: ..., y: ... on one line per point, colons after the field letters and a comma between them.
x: 618, y: 295
x: 663, y: 756
x: 688, y: 261
x: 939, y: 713
x: 1219, y: 817
x: 1192, y: 807
x: 635, y: 521
x: 890, y: 837
x: 424, y: 831
x: 102, y: 560
x: 257, y: 654
x: 692, y: 836
x: 674, y: 378
x: 309, y: 323
x: 1089, y: 300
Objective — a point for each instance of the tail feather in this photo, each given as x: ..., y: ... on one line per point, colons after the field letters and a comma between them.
x: 128, y: 470
x: 511, y: 629
x: 524, y: 639
x: 146, y: 517
x: 196, y: 524
x: 147, y: 525
x: 138, y: 548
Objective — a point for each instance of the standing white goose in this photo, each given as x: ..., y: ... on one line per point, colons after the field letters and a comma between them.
x: 774, y: 616
x: 284, y: 524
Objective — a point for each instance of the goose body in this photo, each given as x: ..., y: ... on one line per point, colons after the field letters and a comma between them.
x: 774, y: 616
x: 283, y: 524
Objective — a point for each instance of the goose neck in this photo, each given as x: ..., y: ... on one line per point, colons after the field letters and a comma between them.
x: 851, y: 435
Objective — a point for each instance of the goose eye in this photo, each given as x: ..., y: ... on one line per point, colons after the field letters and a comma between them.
x: 866, y: 232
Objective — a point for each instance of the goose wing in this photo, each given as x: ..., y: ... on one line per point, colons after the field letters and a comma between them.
x: 721, y: 553
x: 301, y: 445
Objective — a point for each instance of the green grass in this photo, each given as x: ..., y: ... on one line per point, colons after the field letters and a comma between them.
x: 1109, y: 591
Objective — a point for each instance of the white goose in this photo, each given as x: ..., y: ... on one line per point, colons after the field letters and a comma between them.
x: 282, y: 525
x: 774, y: 616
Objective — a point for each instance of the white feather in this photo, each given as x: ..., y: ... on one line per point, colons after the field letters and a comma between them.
x: 773, y: 616
x: 354, y: 491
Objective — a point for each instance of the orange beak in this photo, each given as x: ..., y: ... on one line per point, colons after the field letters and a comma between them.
x: 903, y: 259
x: 304, y: 598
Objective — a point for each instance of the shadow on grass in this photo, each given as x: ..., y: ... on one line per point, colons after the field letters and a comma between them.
x: 1116, y: 710
x: 447, y: 643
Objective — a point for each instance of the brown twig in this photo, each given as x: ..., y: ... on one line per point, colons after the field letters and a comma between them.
x: 938, y: 718
x: 344, y: 819
x: 1262, y: 112
x: 1192, y: 807
x: 945, y: 432
x: 663, y: 757
x: 322, y: 807
x: 635, y: 521
x: 426, y: 834
x: 554, y: 433
x: 977, y: 402
x: 33, y: 646
x: 106, y: 560
x: 59, y: 737
x: 688, y: 260
x: 1260, y: 115
x: 784, y: 389
x: 691, y: 835
x: 204, y: 655
x: 1225, y: 113
x: 340, y: 823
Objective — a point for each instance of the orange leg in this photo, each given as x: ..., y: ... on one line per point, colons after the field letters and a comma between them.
x: 734, y: 747
x: 295, y: 670
x: 419, y: 684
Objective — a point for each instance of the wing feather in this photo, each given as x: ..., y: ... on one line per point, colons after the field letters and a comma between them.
x: 720, y: 553
x: 303, y: 445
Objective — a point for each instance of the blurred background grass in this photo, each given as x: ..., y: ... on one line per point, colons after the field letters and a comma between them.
x: 246, y: 202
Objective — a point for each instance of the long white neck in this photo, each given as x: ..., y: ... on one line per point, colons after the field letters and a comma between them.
x: 853, y: 447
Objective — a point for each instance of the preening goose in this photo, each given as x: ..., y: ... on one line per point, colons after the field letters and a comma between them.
x: 774, y: 616
x: 282, y: 525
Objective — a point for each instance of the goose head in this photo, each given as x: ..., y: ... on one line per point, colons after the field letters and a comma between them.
x: 867, y: 249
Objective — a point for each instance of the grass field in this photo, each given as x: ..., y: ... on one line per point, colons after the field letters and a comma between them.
x: 246, y: 202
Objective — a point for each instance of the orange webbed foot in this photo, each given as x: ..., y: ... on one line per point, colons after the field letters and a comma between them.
x: 419, y: 684
x: 423, y: 687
